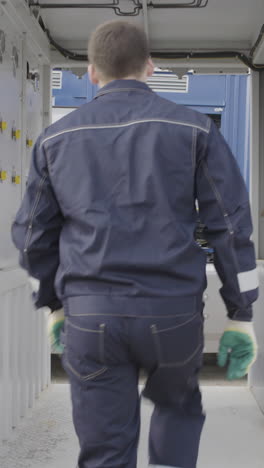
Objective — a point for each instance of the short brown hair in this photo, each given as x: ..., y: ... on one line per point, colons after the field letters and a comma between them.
x: 118, y: 49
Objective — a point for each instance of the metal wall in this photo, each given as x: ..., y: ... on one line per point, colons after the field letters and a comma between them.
x: 24, y: 350
x: 261, y: 166
x: 257, y: 163
x: 10, y: 137
x: 236, y: 120
x: 75, y: 90
x: 24, y: 107
x: 256, y: 379
x: 21, y: 118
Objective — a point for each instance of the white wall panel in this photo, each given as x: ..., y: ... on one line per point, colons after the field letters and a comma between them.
x: 10, y: 154
x: 214, y: 311
x: 21, y: 108
x: 256, y: 378
x: 24, y: 350
x: 59, y: 112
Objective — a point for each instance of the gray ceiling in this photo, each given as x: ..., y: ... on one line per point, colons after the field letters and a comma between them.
x: 221, y: 25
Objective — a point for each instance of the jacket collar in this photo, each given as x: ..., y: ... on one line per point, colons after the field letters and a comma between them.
x: 123, y: 85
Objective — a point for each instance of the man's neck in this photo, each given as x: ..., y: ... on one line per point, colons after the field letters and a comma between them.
x: 103, y: 83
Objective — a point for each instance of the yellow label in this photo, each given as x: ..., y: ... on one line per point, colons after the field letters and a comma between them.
x: 3, y: 175
x: 29, y: 143
x: 16, y: 179
x: 3, y: 125
x: 16, y: 134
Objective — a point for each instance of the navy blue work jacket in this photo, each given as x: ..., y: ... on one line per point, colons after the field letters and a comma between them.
x: 110, y: 204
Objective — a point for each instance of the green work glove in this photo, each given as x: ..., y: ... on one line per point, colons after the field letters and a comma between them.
x: 55, y: 325
x: 238, y: 348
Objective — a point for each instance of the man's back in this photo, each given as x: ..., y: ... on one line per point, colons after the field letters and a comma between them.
x: 110, y: 212
x: 122, y: 169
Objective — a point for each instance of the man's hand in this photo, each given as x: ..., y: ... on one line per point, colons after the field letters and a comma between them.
x: 238, y: 348
x: 55, y: 325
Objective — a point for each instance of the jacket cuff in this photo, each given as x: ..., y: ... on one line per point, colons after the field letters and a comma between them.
x: 53, y: 303
x: 241, y: 315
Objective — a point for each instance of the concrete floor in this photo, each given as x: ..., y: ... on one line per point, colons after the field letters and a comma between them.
x: 233, y: 436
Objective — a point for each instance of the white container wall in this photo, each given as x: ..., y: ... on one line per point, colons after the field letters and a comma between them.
x: 24, y: 110
x: 24, y: 350
x: 256, y: 378
x: 214, y: 311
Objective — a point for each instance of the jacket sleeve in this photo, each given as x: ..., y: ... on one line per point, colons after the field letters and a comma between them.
x: 224, y: 209
x: 36, y: 231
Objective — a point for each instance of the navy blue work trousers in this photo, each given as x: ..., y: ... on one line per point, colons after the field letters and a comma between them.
x: 107, y: 342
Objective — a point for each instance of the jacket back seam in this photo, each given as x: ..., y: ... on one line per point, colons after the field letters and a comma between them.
x: 122, y: 125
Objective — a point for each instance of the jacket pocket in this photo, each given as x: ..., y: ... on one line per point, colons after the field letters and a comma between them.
x: 84, y: 349
x: 179, y: 341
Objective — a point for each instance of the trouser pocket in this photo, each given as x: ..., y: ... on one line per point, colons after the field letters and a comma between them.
x: 178, y: 348
x: 84, y: 355
x: 178, y: 341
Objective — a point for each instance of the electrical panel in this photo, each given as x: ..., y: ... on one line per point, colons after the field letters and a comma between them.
x: 10, y: 135
x: 21, y: 119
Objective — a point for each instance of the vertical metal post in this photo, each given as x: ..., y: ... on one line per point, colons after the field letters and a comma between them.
x: 47, y: 98
x: 23, y: 111
x: 5, y: 402
x: 145, y: 17
x: 246, y: 168
x: 47, y: 109
x: 256, y: 378
x: 255, y: 157
x: 24, y: 354
x: 261, y: 166
x: 15, y: 297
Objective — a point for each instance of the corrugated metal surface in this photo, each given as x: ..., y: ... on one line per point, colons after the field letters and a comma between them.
x: 236, y: 120
x: 168, y: 83
x: 24, y: 350
x: 56, y: 82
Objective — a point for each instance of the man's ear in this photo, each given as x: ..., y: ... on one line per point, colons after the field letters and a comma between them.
x: 93, y: 75
x: 150, y: 67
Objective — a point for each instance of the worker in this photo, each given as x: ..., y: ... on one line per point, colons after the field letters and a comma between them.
x: 107, y: 227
